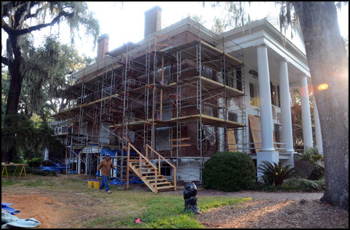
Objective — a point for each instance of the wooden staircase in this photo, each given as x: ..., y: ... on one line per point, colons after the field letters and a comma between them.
x: 148, y: 172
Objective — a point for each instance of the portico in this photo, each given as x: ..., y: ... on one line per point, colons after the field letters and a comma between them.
x: 278, y: 63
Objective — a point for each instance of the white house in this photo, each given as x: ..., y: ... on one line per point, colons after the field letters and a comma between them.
x: 189, y: 93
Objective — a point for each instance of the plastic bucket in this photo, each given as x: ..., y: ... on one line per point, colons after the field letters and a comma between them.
x: 90, y: 184
x: 97, y: 184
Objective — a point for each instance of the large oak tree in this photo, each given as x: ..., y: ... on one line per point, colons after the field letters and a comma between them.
x: 20, y: 19
x: 329, y: 63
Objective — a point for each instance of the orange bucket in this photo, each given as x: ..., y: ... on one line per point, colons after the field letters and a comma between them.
x: 97, y: 184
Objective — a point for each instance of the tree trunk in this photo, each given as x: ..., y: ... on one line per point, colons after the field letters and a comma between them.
x: 14, y: 66
x: 15, y: 87
x: 328, y: 63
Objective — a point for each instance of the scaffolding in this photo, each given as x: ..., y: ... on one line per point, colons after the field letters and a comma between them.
x: 178, y: 94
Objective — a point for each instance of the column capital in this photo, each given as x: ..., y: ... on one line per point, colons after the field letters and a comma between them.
x: 262, y: 46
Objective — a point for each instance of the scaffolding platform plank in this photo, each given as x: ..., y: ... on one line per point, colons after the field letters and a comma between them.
x: 76, y: 108
x: 183, y: 145
x: 206, y: 120
x: 210, y: 85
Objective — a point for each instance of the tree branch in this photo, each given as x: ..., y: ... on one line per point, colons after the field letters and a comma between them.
x: 4, y: 60
x: 15, y: 32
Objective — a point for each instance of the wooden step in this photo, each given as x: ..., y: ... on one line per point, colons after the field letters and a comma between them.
x: 143, y: 166
x: 153, y: 180
x: 163, y: 183
x: 159, y: 177
x: 147, y: 173
x: 136, y: 160
x: 166, y: 187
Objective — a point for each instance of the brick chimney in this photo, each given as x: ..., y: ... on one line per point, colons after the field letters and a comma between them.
x: 153, y: 20
x: 102, y: 46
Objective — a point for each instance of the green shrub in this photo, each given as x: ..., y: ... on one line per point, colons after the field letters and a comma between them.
x: 35, y: 162
x: 229, y: 171
x: 302, y: 184
x: 321, y: 183
x: 274, y: 173
x: 313, y: 156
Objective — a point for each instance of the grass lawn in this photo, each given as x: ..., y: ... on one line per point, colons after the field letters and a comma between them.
x: 116, y: 210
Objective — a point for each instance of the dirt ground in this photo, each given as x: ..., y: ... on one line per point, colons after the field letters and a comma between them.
x: 55, y: 209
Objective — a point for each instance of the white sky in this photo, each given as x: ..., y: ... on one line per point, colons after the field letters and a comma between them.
x: 126, y: 23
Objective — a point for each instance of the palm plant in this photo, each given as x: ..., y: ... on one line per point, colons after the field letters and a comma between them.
x: 313, y: 155
x: 274, y: 173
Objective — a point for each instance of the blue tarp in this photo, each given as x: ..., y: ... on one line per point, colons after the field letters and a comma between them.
x: 58, y: 168
x: 6, y: 207
x: 114, y: 153
x: 111, y: 153
x: 132, y: 180
x: 125, y: 153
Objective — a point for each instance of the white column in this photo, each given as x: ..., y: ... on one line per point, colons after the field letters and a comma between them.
x: 305, y: 112
x: 317, y: 128
x: 267, y: 152
x: 286, y: 117
x: 265, y: 100
x: 286, y: 113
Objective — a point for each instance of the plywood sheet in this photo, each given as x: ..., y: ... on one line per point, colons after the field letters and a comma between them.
x: 231, y: 140
x: 255, y: 127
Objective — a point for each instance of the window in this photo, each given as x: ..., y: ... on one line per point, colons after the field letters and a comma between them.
x: 83, y: 128
x: 251, y: 89
x: 254, y: 99
x: 239, y: 78
x: 162, y: 138
x: 232, y: 116
x: 277, y: 133
x: 278, y: 96
x: 207, y: 72
x: 209, y: 132
x: 230, y: 79
x: 167, y: 112
x: 273, y: 94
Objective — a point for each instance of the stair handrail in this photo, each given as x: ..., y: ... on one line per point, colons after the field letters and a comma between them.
x: 159, y: 165
x: 143, y: 157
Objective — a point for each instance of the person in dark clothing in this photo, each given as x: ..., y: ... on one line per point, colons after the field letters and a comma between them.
x: 106, y: 166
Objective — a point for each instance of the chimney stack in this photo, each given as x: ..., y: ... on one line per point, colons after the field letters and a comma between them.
x: 102, y: 46
x: 153, y: 20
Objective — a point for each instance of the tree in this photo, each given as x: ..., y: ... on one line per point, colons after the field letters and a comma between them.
x: 16, y: 19
x: 328, y: 63
x: 47, y: 71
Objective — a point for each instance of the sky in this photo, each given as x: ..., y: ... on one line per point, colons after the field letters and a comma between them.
x: 124, y: 22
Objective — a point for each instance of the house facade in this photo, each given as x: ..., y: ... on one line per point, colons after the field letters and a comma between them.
x: 188, y: 93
